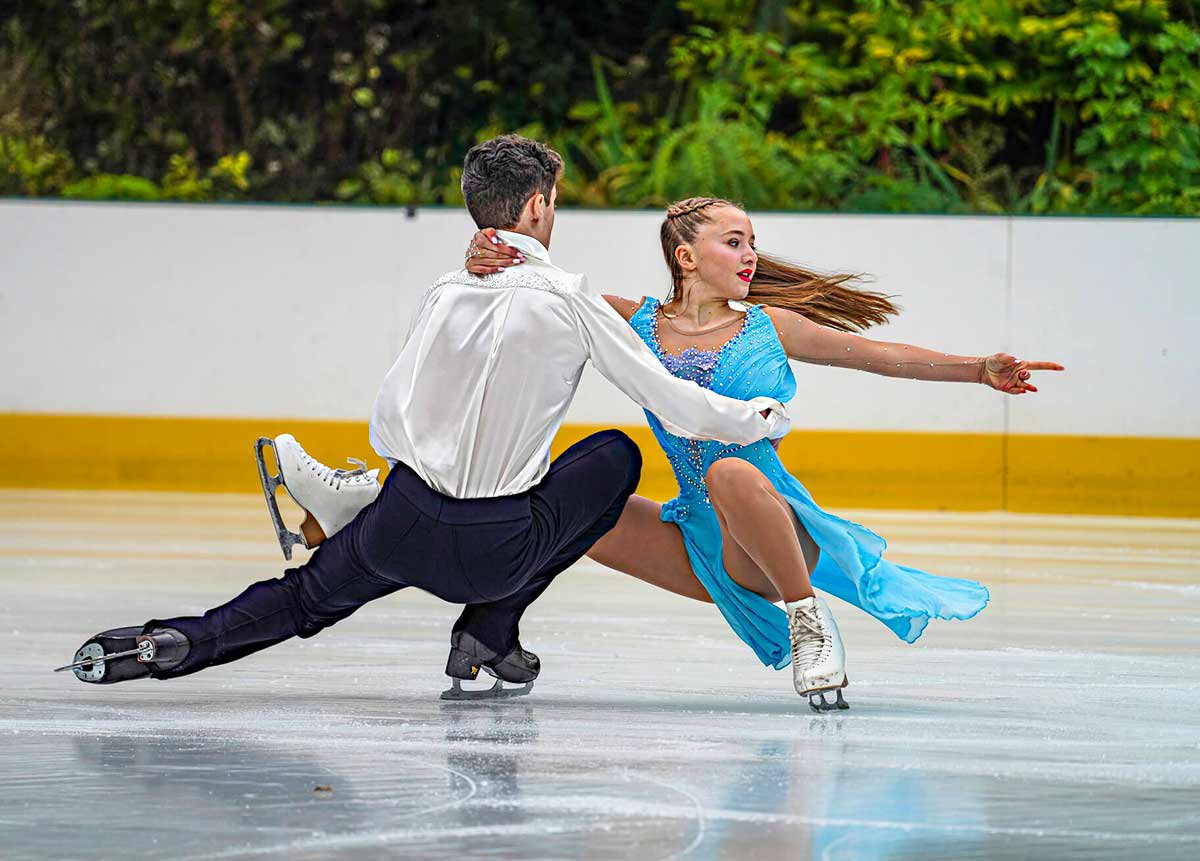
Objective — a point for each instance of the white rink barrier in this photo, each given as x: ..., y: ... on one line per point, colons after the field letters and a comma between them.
x: 294, y: 313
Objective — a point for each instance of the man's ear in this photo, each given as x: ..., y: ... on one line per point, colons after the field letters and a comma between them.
x: 537, y: 207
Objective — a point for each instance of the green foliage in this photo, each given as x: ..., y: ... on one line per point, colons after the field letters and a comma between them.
x: 232, y: 170
x: 226, y: 179
x: 1070, y: 106
x: 183, y: 181
x: 31, y: 166
x: 1141, y: 150
x: 111, y: 186
x: 1024, y: 106
x: 392, y: 179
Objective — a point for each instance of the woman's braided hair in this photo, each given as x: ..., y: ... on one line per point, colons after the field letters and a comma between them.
x: 823, y: 298
x: 693, y: 204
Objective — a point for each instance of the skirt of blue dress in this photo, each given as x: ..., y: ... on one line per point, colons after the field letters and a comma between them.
x: 851, y: 567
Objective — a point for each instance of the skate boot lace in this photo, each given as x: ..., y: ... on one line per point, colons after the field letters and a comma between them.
x: 335, y: 478
x: 810, y: 644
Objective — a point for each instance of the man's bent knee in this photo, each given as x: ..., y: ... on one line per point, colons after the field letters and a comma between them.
x: 625, y: 451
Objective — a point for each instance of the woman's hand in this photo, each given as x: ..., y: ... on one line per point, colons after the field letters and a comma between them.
x: 488, y: 253
x: 1009, y: 375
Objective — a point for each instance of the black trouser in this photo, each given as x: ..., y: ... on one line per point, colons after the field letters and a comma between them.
x: 495, y: 555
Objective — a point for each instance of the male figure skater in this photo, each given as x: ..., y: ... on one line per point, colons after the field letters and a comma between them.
x: 472, y: 510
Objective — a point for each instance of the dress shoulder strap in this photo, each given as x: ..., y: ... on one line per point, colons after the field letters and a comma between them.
x: 642, y: 320
x: 760, y: 323
x: 649, y: 303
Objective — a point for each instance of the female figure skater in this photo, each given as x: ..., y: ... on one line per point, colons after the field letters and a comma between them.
x: 744, y: 533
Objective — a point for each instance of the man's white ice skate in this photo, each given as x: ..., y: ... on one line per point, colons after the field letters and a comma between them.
x: 332, y: 496
x: 818, y: 657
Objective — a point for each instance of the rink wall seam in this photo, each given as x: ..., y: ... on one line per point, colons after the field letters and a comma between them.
x: 852, y: 469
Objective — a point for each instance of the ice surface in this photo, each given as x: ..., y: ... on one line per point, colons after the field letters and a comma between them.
x: 1064, y: 721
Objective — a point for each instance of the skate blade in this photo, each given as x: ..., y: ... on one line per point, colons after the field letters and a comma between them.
x: 270, y: 483
x: 818, y: 703
x: 457, y: 692
x: 89, y: 661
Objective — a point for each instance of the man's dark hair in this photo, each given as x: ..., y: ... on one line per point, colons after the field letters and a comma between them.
x: 500, y: 175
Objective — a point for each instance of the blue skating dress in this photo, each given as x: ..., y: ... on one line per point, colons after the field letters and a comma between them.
x: 751, y: 364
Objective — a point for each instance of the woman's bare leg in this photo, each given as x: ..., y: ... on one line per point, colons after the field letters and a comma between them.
x: 645, y: 547
x: 312, y: 531
x: 754, y: 535
x: 766, y: 550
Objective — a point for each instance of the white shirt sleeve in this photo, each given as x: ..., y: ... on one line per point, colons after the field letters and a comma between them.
x: 684, y: 408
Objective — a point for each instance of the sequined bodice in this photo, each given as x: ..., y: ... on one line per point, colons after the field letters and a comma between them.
x: 750, y: 364
x: 692, y: 364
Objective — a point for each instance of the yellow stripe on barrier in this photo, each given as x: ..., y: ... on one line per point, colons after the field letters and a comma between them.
x: 843, y: 469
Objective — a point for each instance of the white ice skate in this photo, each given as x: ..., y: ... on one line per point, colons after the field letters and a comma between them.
x: 818, y: 657
x: 332, y: 496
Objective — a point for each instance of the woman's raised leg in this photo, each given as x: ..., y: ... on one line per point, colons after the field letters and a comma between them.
x: 763, y: 541
x: 765, y: 548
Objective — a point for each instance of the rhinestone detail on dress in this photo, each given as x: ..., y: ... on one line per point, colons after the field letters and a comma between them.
x: 723, y: 370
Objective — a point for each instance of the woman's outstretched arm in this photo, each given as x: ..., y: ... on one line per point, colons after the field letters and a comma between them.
x: 806, y: 341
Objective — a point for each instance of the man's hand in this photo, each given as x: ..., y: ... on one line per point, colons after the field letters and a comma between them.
x: 1009, y: 375
x: 488, y: 253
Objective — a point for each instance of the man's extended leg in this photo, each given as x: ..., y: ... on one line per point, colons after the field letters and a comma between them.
x: 302, y: 602
x: 340, y: 577
x: 580, y: 498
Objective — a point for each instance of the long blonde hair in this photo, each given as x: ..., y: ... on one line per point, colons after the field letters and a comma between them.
x: 823, y: 298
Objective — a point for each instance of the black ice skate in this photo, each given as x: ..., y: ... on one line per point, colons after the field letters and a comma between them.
x: 128, y: 653
x: 468, y: 656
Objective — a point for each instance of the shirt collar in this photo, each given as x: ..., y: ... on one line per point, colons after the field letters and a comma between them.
x: 528, y: 244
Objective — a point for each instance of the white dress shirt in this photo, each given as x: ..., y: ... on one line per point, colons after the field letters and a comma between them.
x: 491, y: 364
